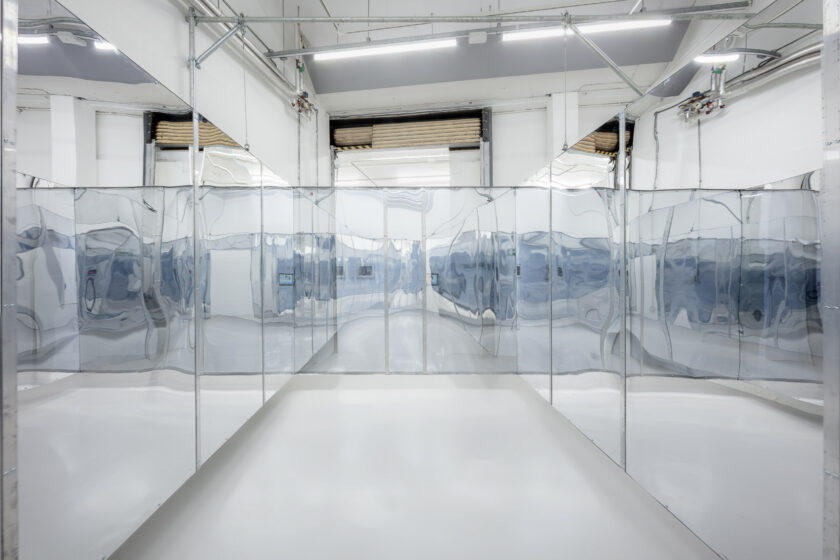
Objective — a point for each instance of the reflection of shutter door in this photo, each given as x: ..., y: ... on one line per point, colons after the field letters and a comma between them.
x: 444, y: 132
x: 180, y: 133
x: 605, y: 143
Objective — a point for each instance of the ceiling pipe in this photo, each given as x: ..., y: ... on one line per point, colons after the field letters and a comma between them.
x: 814, y: 26
x: 763, y: 74
x: 545, y: 8
x: 714, y: 11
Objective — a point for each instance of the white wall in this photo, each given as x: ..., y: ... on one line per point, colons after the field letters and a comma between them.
x: 519, y: 145
x: 117, y: 140
x: 155, y: 35
x: 34, y: 154
x: 119, y: 149
x: 770, y: 134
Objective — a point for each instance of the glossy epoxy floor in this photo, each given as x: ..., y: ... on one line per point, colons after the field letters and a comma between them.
x: 383, y: 467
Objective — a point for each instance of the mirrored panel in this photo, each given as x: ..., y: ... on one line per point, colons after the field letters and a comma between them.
x: 586, y: 313
x: 47, y: 290
x: 278, y: 287
x: 360, y: 282
x: 533, y: 231
x: 406, y: 293
x: 106, y: 391
x: 231, y: 381
x: 724, y: 394
x: 470, y: 298
x: 728, y: 336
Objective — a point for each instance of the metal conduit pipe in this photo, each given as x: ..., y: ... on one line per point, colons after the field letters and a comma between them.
x: 558, y: 19
x: 746, y: 82
x: 752, y: 82
x: 795, y: 61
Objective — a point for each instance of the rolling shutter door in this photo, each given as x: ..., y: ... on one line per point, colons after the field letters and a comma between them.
x: 444, y: 132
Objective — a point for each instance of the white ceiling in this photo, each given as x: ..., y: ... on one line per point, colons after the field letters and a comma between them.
x: 421, y: 69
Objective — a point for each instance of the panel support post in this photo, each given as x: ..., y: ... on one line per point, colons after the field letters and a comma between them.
x: 830, y: 277
x: 198, y: 305
x: 8, y: 278
x: 621, y: 183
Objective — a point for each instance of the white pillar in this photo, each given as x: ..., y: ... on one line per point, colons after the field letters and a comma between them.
x: 563, y: 122
x: 73, y: 141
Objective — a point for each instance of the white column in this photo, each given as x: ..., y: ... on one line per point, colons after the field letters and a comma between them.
x: 73, y: 141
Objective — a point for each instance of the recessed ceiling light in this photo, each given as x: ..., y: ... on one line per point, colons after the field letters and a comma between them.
x: 387, y: 49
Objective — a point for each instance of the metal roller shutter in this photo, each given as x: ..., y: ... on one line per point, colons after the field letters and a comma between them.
x: 444, y: 132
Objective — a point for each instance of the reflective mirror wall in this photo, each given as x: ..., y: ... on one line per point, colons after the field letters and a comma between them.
x: 703, y: 381
x: 717, y: 404
x: 112, y: 417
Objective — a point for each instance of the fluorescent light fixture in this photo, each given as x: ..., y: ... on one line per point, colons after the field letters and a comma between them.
x: 586, y: 29
x: 104, y: 46
x: 33, y: 40
x: 623, y: 26
x: 387, y: 49
x: 717, y: 58
x: 534, y: 34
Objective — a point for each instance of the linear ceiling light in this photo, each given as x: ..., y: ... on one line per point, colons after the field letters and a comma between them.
x: 33, y: 40
x: 388, y: 49
x: 717, y: 58
x: 586, y: 29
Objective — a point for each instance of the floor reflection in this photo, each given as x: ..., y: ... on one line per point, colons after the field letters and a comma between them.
x: 740, y: 470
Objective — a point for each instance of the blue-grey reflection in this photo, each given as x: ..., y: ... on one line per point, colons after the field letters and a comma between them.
x: 134, y: 271
x: 477, y: 275
x: 105, y: 280
x: 47, y: 305
x: 751, y: 295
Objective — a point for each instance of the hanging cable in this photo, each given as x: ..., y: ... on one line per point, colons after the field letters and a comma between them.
x: 565, y: 88
x: 245, y: 94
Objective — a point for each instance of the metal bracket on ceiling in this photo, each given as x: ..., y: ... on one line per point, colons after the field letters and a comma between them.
x: 610, y: 62
x: 238, y: 28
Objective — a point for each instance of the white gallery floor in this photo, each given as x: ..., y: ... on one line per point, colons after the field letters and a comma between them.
x: 383, y: 467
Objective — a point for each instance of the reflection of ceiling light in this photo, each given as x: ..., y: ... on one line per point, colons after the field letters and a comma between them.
x: 33, y: 40
x: 716, y: 58
x: 104, y: 46
x: 586, y: 29
x: 389, y: 49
